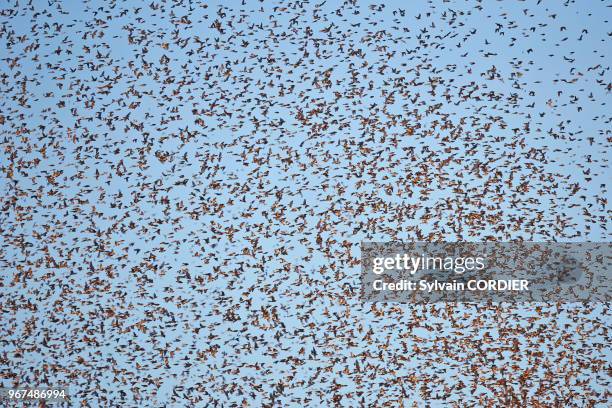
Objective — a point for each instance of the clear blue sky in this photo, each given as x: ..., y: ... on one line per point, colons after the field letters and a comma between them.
x: 234, y: 163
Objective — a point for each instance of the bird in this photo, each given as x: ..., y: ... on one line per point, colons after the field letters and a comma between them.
x: 186, y: 186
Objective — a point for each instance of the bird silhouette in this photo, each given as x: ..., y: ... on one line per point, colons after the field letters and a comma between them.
x: 186, y: 184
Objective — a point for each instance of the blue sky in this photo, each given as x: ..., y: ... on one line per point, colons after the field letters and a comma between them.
x: 247, y: 186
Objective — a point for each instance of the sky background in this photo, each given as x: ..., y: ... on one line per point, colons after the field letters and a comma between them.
x: 161, y: 196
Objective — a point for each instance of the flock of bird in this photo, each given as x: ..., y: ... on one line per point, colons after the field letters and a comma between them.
x: 185, y: 185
